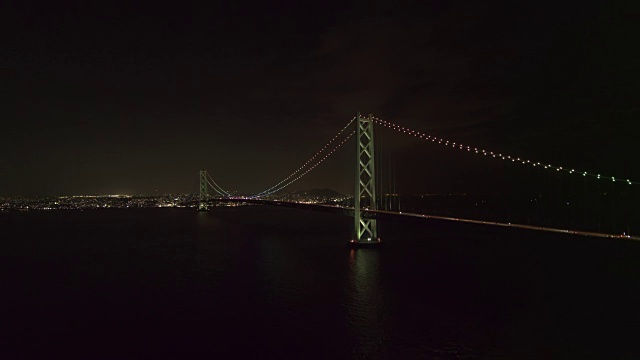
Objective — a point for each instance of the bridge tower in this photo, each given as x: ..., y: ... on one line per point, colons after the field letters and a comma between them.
x: 204, y: 191
x: 366, y: 229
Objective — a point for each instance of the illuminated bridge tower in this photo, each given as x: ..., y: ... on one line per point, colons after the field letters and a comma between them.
x: 366, y: 229
x: 204, y: 191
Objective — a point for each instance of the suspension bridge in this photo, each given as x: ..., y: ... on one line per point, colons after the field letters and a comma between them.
x: 371, y: 203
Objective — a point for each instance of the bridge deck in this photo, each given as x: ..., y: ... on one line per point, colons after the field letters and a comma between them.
x: 349, y: 211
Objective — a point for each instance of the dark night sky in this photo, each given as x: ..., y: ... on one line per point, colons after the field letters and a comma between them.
x: 134, y: 98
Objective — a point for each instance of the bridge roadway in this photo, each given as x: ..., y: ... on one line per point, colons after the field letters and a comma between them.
x: 377, y: 213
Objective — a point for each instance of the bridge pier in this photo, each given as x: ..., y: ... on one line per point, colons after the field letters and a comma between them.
x: 366, y: 229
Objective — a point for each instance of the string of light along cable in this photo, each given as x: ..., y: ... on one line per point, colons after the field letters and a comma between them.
x: 221, y: 193
x: 337, y: 146
x: 493, y: 154
x: 307, y: 162
x: 215, y: 186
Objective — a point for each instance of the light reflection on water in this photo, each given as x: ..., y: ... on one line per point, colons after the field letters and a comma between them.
x: 281, y: 284
x: 366, y: 307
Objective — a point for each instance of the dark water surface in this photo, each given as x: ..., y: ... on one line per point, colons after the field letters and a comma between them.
x: 263, y: 282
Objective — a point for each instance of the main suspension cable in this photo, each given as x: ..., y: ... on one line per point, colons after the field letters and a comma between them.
x: 269, y: 190
x: 215, y: 186
x: 320, y: 161
x: 484, y: 152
